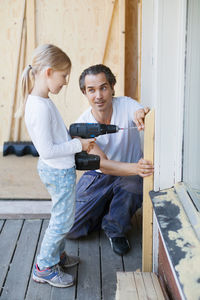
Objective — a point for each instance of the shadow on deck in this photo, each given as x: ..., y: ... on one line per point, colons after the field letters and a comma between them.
x: 95, y: 276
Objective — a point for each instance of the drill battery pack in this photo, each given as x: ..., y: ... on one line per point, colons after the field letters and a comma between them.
x: 85, y: 161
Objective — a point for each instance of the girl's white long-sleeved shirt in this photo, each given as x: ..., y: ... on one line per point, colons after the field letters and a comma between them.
x: 49, y: 134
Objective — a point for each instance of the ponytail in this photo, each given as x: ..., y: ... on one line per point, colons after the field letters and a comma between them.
x: 27, y: 81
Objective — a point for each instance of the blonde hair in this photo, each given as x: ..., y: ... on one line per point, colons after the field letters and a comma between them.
x: 44, y: 56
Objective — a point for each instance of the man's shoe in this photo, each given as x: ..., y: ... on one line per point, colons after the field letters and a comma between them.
x: 67, y: 261
x: 120, y: 245
x: 54, y: 276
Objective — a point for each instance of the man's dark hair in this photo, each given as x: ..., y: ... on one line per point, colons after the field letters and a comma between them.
x: 94, y: 70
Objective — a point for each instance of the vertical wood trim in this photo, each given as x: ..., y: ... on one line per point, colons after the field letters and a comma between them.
x: 147, y: 236
x: 16, y: 73
x: 17, y: 121
x: 122, y: 44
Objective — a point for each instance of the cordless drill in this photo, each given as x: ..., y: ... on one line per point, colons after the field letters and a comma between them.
x: 83, y: 160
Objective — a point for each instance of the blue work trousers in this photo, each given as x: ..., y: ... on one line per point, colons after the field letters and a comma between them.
x: 107, y: 202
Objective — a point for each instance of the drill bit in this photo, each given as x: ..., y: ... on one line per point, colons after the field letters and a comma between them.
x: 127, y: 128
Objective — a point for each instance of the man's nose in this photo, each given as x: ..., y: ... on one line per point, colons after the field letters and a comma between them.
x: 98, y: 94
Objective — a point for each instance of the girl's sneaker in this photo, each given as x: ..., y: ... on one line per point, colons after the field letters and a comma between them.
x: 67, y: 261
x: 54, y: 276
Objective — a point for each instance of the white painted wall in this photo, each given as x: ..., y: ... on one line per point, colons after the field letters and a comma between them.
x: 162, y: 83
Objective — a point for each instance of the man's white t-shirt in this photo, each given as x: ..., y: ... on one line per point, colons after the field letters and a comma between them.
x: 124, y: 145
x: 49, y: 134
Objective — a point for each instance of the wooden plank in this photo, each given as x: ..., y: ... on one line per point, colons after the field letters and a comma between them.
x: 19, y: 272
x: 31, y: 28
x: 147, y: 261
x: 107, y: 26
x: 8, y: 239
x: 157, y: 287
x: 71, y: 247
x: 11, y: 115
x: 111, y: 263
x: 131, y: 49
x: 25, y: 209
x: 126, y: 287
x: 89, y: 269
x: 15, y: 132
x: 36, y: 290
x: 140, y: 286
x: 133, y: 259
x: 150, y: 290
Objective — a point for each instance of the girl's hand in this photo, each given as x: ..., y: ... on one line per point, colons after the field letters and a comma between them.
x: 144, y: 168
x: 87, y: 144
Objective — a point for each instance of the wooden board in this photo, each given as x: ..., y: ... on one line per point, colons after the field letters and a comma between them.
x: 131, y: 49
x: 134, y: 262
x: 147, y: 242
x: 22, y: 261
x: 89, y: 275
x: 35, y: 291
x: 110, y: 263
x: 138, y: 286
x: 25, y: 209
x: 8, y: 239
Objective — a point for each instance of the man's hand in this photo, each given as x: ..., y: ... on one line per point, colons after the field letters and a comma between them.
x: 144, y: 168
x: 139, y: 117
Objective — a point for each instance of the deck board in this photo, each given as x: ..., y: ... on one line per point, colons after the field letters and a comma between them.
x: 111, y: 263
x: 35, y: 290
x: 8, y: 240
x: 133, y: 259
x: 89, y: 269
x: 20, y: 267
x: 20, y: 242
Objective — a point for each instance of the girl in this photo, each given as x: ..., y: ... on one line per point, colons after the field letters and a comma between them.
x: 48, y: 72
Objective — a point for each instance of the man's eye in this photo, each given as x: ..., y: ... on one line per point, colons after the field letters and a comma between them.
x: 104, y: 88
x: 91, y: 91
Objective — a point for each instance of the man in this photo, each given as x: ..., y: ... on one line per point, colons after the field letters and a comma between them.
x: 108, y: 198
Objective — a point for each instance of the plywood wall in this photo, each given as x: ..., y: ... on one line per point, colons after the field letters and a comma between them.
x: 89, y: 31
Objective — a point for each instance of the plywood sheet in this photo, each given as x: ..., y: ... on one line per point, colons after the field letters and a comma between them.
x: 19, y: 178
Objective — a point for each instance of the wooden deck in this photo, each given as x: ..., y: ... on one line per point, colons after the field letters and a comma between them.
x: 95, y: 276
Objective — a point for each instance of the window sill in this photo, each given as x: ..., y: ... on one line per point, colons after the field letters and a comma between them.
x: 180, y: 233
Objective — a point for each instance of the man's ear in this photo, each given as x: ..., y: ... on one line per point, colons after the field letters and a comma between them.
x: 112, y: 87
x: 48, y: 72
